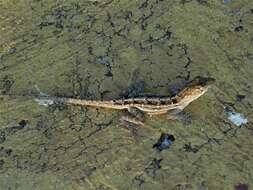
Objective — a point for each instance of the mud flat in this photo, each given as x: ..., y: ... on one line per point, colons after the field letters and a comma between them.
x: 87, y: 49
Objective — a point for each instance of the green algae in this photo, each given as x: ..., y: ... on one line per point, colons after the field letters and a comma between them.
x: 96, y: 50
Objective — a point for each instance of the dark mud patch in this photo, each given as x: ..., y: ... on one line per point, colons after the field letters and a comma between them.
x: 164, y: 142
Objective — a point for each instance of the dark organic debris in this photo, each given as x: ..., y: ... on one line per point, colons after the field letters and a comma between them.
x: 164, y: 142
x: 238, y: 29
x: 241, y: 187
x: 109, y: 74
x: 22, y: 123
x: 240, y: 97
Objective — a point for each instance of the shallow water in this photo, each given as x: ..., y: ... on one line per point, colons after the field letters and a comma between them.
x: 109, y: 49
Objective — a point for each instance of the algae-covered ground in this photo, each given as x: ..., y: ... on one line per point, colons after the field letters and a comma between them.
x: 107, y: 49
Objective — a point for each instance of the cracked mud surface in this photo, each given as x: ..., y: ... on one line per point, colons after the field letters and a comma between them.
x: 109, y: 49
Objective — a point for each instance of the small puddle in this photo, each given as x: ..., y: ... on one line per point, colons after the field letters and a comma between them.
x: 44, y: 101
x: 237, y: 118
